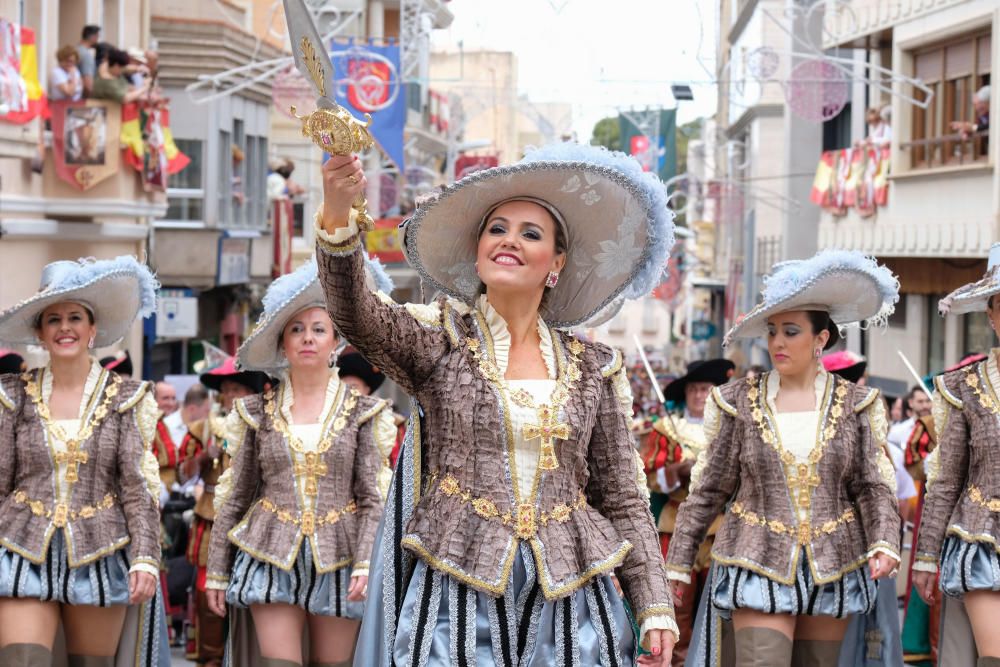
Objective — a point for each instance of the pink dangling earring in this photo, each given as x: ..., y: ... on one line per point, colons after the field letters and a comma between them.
x: 91, y: 343
x: 552, y: 279
x: 818, y: 352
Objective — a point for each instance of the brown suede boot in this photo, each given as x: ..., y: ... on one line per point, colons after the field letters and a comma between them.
x: 278, y: 662
x: 815, y: 653
x: 25, y: 655
x: 988, y: 661
x: 762, y: 647
x: 91, y: 660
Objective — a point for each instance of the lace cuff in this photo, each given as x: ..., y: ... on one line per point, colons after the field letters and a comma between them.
x: 145, y: 567
x: 663, y: 622
x: 342, y: 235
x: 216, y: 584
x: 925, y: 566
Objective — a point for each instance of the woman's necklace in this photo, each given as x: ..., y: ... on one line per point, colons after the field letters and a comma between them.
x: 549, y: 428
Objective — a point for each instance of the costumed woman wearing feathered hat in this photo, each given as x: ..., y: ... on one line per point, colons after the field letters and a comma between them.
x: 296, y: 512
x: 957, y: 545
x: 518, y: 490
x: 79, y: 523
x: 798, y: 455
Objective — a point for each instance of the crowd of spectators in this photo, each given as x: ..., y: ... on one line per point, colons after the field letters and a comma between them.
x: 98, y: 70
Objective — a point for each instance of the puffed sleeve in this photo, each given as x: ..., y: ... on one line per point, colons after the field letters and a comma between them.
x: 384, y: 432
x: 616, y: 492
x: 236, y: 490
x: 873, y: 482
x: 405, y: 341
x: 139, y: 498
x: 714, y: 479
x: 947, y: 474
x: 370, y: 500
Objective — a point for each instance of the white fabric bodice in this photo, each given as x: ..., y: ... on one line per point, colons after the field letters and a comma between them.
x: 308, y: 434
x: 70, y: 426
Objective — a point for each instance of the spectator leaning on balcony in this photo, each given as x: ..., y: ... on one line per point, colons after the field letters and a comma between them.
x: 85, y: 51
x: 110, y: 85
x: 879, y: 126
x: 65, y: 82
x: 981, y: 110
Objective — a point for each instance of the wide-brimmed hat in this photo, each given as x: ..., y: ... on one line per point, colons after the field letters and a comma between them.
x: 116, y: 291
x: 213, y: 378
x: 716, y: 371
x: 286, y: 296
x: 973, y: 297
x: 120, y: 363
x: 846, y: 364
x: 853, y: 288
x: 618, y: 228
x: 353, y: 363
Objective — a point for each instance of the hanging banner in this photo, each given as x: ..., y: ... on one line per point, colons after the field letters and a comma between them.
x: 21, y: 96
x: 368, y: 83
x: 638, y: 142
x: 150, y: 145
x: 85, y: 141
x: 852, y: 178
x: 469, y: 164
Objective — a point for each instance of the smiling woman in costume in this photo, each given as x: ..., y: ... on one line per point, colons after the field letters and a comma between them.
x: 798, y: 454
x: 297, y: 510
x: 959, y: 528
x: 79, y: 524
x: 518, y: 490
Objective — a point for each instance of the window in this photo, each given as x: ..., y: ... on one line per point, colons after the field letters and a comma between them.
x: 935, y: 334
x: 897, y: 319
x: 225, y: 171
x: 954, y: 71
x: 238, y: 174
x: 255, y: 182
x: 837, y: 130
x: 186, y: 194
x: 978, y: 336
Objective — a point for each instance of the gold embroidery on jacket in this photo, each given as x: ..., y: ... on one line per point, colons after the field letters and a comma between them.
x: 308, y: 520
x: 978, y: 497
x: 60, y: 513
x: 802, y: 532
x: 985, y: 399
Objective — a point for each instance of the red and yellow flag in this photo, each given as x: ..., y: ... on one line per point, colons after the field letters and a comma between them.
x: 37, y: 104
x: 139, y: 116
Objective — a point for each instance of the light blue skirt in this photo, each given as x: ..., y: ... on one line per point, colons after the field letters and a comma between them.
x: 102, y: 583
x: 734, y: 588
x: 968, y: 566
x: 256, y: 582
x: 444, y: 622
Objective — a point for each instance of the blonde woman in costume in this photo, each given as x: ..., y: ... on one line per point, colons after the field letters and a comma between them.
x: 297, y: 510
x: 519, y: 490
x: 796, y: 458
x: 957, y: 548
x: 79, y: 522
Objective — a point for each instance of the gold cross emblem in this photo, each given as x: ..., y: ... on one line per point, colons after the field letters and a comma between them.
x: 72, y: 458
x: 313, y: 469
x: 547, y: 430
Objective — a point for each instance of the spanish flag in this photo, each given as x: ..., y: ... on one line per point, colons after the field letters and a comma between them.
x: 820, y: 194
x: 37, y: 102
x: 139, y: 118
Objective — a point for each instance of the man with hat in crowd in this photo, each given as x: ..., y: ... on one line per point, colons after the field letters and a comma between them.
x: 120, y: 363
x: 11, y: 362
x: 668, y: 455
x: 203, y: 455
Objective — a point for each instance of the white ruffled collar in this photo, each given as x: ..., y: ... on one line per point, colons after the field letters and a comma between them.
x: 993, y: 369
x: 288, y: 398
x: 774, y: 384
x: 501, y: 338
x: 93, y: 376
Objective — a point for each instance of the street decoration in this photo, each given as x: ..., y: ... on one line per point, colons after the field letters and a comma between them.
x: 85, y: 141
x: 817, y: 90
x: 21, y: 96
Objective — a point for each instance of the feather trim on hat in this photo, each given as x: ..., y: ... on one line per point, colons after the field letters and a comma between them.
x: 286, y: 287
x: 70, y: 275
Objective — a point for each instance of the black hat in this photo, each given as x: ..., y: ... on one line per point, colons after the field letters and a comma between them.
x: 121, y: 363
x: 351, y: 362
x: 252, y: 380
x: 10, y: 361
x: 716, y: 371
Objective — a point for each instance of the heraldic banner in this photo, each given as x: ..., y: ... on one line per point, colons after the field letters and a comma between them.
x: 368, y: 81
x: 85, y: 140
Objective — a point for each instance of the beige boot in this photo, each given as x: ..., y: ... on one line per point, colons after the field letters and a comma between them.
x: 25, y: 655
x: 815, y: 653
x: 762, y: 647
x: 91, y: 660
x: 278, y: 662
x: 988, y: 661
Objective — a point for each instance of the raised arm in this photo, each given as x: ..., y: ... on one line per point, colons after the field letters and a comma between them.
x: 235, y: 492
x: 714, y: 480
x: 617, y: 491
x: 404, y: 341
x: 946, y: 479
x: 873, y: 482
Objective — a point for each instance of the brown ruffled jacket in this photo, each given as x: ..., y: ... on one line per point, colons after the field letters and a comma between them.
x: 588, y: 516
x: 847, y: 487
x: 111, y: 505
x: 963, y: 484
x: 260, y: 512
